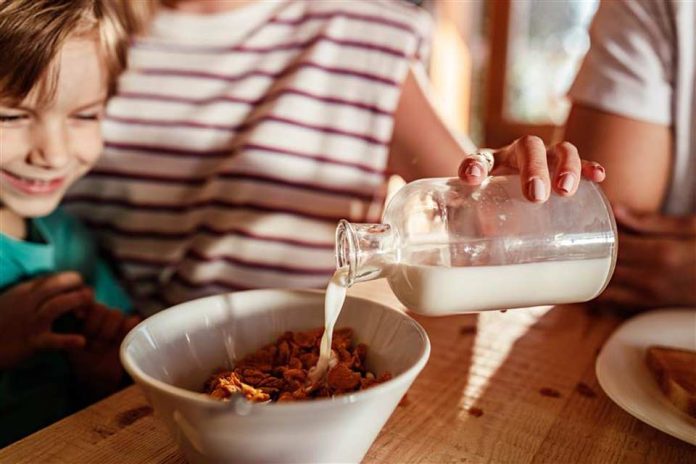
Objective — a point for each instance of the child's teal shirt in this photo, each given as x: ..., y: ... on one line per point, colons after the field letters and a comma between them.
x: 39, y: 391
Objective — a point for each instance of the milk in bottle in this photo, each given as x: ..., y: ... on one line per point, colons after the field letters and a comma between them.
x: 446, y: 247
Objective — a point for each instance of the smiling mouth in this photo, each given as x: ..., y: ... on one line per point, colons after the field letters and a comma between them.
x: 32, y: 186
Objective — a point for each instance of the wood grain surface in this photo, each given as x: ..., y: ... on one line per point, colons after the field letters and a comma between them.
x: 512, y: 387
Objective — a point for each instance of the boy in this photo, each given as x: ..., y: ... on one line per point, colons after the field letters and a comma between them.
x: 60, y: 60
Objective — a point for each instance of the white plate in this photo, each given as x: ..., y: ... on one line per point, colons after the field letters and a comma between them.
x: 625, y: 378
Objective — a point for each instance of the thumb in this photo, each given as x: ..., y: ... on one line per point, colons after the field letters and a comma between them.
x: 477, y: 166
x: 52, y: 341
x: 656, y: 223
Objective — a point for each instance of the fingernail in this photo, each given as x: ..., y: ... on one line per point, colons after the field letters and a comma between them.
x: 474, y: 170
x: 566, y: 182
x: 536, y: 189
x: 599, y: 168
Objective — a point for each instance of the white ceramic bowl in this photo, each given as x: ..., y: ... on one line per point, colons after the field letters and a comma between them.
x: 171, y: 354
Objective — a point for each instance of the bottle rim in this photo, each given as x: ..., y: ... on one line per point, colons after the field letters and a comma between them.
x: 346, y: 249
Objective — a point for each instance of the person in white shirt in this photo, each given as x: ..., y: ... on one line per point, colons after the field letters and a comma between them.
x: 634, y: 111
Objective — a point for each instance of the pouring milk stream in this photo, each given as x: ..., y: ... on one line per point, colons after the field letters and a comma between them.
x: 447, y: 248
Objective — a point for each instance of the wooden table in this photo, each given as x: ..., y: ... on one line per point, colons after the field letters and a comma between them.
x: 514, y: 387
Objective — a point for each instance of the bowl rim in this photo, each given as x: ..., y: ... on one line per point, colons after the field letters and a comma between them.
x: 204, y: 400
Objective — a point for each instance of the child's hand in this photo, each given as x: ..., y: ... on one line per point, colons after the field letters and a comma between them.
x: 97, y: 366
x: 28, y: 311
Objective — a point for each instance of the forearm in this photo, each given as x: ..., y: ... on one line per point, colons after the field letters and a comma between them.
x: 636, y: 155
x: 422, y: 145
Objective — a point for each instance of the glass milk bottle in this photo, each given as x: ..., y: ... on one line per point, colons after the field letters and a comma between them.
x: 446, y: 247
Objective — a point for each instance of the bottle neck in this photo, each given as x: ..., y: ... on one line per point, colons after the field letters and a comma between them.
x: 367, y: 250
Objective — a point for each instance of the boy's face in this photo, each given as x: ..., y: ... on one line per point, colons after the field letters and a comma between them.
x: 45, y: 148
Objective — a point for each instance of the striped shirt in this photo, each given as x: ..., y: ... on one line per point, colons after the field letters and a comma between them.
x: 237, y: 141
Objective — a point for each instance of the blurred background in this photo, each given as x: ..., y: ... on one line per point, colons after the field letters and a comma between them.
x: 501, y: 68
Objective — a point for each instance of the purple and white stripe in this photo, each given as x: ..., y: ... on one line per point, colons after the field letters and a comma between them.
x: 231, y: 155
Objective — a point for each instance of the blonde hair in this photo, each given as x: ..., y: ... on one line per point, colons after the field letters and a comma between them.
x: 32, y: 33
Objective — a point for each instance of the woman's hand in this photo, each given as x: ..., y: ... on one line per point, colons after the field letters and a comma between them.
x: 28, y: 311
x: 540, y: 169
x: 423, y: 146
x: 656, y: 265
